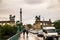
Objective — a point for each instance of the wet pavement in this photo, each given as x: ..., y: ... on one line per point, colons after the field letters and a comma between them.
x: 30, y: 37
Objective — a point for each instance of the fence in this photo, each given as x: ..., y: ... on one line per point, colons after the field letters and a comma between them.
x: 15, y: 37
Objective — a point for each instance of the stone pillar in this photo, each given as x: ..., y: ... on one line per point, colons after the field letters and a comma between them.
x: 21, y: 16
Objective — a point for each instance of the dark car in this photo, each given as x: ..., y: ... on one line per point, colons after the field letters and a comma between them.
x: 58, y: 31
x: 40, y: 33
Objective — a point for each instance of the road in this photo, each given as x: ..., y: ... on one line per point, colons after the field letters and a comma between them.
x: 30, y: 37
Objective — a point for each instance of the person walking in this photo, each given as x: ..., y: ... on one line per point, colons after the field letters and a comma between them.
x: 25, y: 31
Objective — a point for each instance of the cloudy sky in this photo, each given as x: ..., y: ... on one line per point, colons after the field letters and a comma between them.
x: 48, y: 9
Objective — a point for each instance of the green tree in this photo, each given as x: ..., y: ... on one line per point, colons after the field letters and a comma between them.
x: 57, y: 24
x: 8, y: 30
x: 1, y: 31
x: 29, y: 26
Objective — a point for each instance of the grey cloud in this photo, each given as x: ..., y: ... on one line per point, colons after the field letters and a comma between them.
x: 8, y: 7
x: 54, y: 4
x: 33, y: 1
x: 0, y: 1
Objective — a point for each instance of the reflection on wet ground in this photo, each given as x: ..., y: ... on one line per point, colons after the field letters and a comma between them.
x: 25, y: 37
x: 32, y: 37
x: 29, y: 37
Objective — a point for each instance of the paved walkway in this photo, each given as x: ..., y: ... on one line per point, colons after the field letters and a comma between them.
x: 30, y: 37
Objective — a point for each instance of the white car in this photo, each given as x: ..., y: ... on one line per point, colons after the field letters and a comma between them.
x: 49, y: 32
x: 30, y: 30
x: 34, y: 31
x: 40, y: 33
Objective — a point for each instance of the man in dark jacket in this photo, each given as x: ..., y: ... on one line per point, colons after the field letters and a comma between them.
x: 25, y: 30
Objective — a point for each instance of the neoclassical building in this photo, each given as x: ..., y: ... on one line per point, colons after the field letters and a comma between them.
x: 39, y: 24
x: 11, y: 21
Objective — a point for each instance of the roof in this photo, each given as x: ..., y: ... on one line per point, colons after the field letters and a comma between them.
x: 45, y: 21
x: 6, y: 21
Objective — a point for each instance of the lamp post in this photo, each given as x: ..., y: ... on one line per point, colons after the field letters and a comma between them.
x: 18, y: 26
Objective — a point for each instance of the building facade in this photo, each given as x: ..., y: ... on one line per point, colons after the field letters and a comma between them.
x: 11, y: 21
x: 39, y: 24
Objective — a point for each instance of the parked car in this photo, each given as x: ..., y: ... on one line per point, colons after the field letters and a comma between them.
x: 30, y: 30
x: 34, y: 31
x: 58, y: 31
x: 49, y: 32
x: 40, y: 33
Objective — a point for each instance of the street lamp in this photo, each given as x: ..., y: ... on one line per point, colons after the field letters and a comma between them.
x: 18, y: 26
